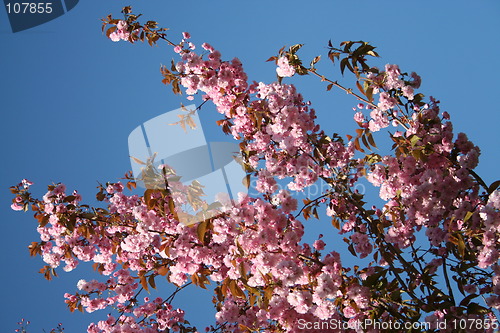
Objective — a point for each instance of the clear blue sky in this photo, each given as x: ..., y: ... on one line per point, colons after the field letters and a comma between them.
x: 70, y: 98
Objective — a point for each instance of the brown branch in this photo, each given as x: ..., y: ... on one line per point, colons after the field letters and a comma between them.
x: 347, y: 90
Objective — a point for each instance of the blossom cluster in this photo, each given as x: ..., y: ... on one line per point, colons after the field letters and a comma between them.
x: 266, y: 277
x: 273, y: 119
x: 121, y: 32
x: 248, y: 247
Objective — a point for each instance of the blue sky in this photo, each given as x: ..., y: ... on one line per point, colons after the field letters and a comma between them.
x: 70, y: 98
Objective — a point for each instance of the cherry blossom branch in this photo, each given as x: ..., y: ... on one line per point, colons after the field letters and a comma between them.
x: 172, y: 296
x: 479, y: 180
x: 132, y: 300
x: 312, y: 202
x: 347, y: 90
x: 381, y: 240
x: 316, y: 261
x: 350, y: 92
x: 446, y: 278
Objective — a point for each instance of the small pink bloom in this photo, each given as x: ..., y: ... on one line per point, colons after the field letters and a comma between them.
x: 177, y: 49
x: 207, y: 47
x: 349, y: 312
x: 416, y: 80
x: 284, y: 69
x: 121, y: 25
x: 408, y: 92
x: 114, y: 37
x: 16, y: 206
x: 319, y: 245
x: 26, y: 183
x: 359, y: 117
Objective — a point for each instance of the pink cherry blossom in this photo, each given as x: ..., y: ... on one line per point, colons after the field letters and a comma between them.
x: 284, y: 68
x: 265, y: 274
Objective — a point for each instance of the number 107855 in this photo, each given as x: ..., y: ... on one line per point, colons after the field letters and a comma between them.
x: 29, y: 8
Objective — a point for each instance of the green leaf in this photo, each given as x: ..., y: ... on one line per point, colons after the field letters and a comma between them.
x: 369, y: 94
x: 144, y: 283
x: 246, y: 181
x: 336, y: 223
x: 44, y: 220
x: 365, y: 141
x: 110, y: 31
x: 468, y: 215
x: 236, y: 290
x: 344, y: 62
x: 370, y: 139
x: 357, y: 145
x: 295, y: 48
x: 360, y: 88
x: 151, y: 281
x: 461, y: 245
x: 201, y: 230
x: 493, y: 186
x: 214, y: 205
x: 136, y: 160
x: 314, y: 61
x: 467, y: 299
x: 351, y: 249
x: 414, y: 139
x: 474, y: 308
